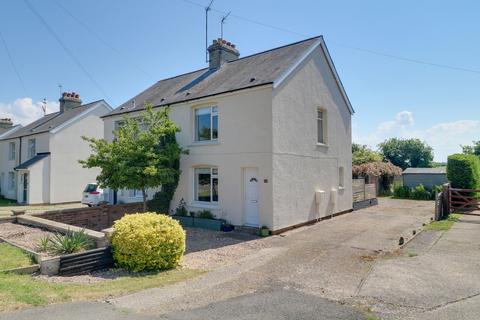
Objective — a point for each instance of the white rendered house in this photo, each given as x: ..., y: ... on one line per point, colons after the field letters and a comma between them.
x: 39, y: 162
x: 269, y: 135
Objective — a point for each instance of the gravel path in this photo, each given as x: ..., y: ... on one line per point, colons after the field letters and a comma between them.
x: 24, y: 236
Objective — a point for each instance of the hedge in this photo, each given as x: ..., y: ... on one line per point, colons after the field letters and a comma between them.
x: 463, y: 171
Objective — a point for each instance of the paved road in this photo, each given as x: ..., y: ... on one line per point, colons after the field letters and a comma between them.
x: 315, y: 272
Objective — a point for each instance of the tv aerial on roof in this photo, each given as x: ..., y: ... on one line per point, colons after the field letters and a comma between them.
x: 222, y: 22
x: 207, y: 9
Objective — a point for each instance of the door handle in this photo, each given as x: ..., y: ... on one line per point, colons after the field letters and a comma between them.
x: 254, y: 201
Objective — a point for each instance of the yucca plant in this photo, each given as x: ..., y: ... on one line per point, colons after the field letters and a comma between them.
x: 43, y: 244
x: 71, y: 242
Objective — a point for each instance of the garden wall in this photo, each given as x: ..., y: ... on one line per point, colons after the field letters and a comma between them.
x: 94, y: 218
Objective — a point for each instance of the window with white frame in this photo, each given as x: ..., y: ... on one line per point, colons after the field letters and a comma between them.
x: 11, y: 181
x: 135, y: 194
x: 341, y: 177
x: 206, y: 185
x: 11, y: 151
x: 206, y: 124
x: 32, y: 148
x: 321, y: 126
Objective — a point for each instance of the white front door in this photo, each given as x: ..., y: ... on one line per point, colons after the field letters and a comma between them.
x: 251, y: 182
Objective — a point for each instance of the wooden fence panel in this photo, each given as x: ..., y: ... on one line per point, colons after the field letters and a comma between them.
x: 358, y: 188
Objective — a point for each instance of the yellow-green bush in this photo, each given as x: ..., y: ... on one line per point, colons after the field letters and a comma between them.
x: 147, y: 241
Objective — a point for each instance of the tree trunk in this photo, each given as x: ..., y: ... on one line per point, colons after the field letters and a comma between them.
x: 144, y: 195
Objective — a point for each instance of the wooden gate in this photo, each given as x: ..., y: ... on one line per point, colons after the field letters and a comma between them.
x: 464, y: 200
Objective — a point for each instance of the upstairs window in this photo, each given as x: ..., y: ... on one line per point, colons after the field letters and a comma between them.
x: 321, y: 126
x: 206, y: 124
x: 11, y: 151
x: 206, y: 185
x: 32, y: 148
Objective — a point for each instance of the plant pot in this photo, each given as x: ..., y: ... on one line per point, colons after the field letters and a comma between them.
x: 227, y: 228
x: 186, y: 222
x: 210, y: 224
x: 264, y: 232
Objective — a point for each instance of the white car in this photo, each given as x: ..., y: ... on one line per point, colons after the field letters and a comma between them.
x: 93, y: 195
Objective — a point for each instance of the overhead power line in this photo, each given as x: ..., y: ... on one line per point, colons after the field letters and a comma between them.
x: 339, y: 44
x: 102, y: 40
x: 65, y: 48
x: 12, y: 62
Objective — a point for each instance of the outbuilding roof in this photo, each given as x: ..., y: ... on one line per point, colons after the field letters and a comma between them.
x: 251, y: 71
x: 438, y: 170
x: 50, y: 121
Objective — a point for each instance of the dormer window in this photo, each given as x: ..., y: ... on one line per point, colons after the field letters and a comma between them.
x: 206, y: 124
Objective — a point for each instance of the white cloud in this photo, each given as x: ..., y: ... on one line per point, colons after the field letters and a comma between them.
x: 24, y: 110
x: 402, y: 120
x: 445, y: 138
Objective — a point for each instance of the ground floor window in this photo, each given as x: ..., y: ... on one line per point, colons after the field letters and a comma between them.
x: 11, y: 180
x: 135, y: 194
x: 206, y: 184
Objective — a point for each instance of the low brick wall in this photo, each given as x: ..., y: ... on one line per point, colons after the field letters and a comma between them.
x: 95, y: 218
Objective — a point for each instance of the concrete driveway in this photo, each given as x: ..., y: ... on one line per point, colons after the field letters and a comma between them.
x: 436, y: 278
x: 321, y: 271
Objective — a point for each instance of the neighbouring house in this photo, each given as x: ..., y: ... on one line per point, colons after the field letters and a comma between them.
x: 39, y: 162
x: 269, y: 135
x: 429, y: 177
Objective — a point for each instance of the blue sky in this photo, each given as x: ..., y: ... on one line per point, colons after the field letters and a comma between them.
x: 136, y: 42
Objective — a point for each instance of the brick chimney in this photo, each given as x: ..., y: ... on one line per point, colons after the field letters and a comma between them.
x: 6, y: 123
x: 69, y: 100
x: 220, y: 52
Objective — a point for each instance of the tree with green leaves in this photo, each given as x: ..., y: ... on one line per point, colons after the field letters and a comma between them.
x: 144, y: 154
x: 473, y: 149
x: 407, y: 153
x: 363, y: 154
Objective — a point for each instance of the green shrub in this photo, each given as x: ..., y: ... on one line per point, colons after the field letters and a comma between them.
x: 181, y: 209
x: 70, y: 242
x: 205, y: 214
x: 147, y: 241
x: 401, y: 192
x: 420, y: 193
x: 463, y: 171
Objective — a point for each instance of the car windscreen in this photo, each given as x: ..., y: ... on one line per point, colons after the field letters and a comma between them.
x: 90, y: 188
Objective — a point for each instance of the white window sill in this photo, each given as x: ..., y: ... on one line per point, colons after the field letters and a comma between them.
x: 341, y: 188
x: 205, y: 205
x: 204, y: 143
x: 322, y: 145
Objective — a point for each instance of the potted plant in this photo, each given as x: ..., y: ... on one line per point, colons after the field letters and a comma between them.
x: 264, y: 231
x: 227, y: 227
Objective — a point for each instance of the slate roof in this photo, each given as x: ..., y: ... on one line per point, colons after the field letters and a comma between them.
x: 50, y: 121
x: 33, y: 160
x: 250, y: 71
x: 439, y: 170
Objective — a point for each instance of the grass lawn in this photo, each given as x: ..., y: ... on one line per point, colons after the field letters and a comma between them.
x: 6, y: 202
x: 443, y: 225
x: 12, y: 257
x: 20, y: 291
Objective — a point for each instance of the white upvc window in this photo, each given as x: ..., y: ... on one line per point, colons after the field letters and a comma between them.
x: 206, y: 124
x: 206, y: 185
x: 32, y: 148
x: 321, y: 126
x: 11, y: 181
x: 135, y: 194
x: 11, y: 151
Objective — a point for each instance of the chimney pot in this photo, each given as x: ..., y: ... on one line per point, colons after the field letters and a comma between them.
x: 221, y: 52
x: 69, y: 100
